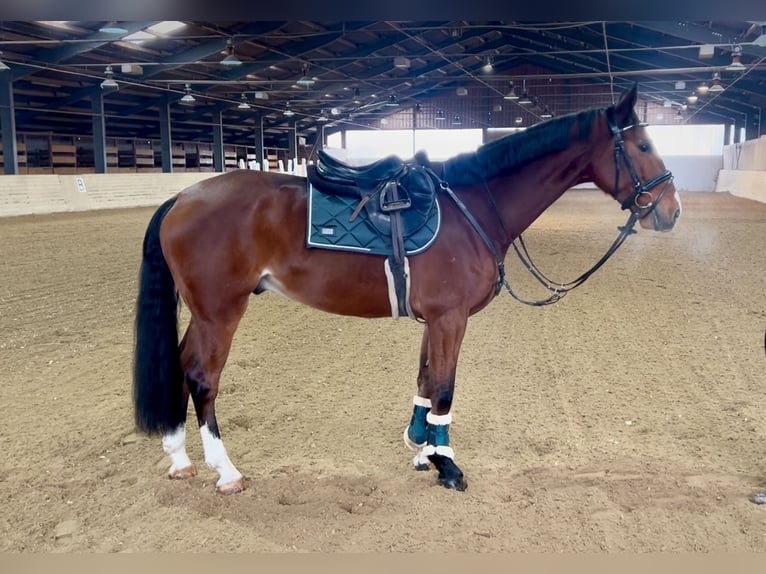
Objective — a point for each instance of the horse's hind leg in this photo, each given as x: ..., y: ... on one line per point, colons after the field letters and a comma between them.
x: 203, y: 359
x: 174, y: 443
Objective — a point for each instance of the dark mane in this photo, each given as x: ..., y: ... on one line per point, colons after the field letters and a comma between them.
x: 515, y: 150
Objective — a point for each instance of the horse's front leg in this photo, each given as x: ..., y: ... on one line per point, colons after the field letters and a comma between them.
x: 445, y: 335
x: 415, y: 435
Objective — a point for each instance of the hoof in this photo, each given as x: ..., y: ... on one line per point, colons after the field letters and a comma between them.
x: 422, y: 467
x: 182, y: 473
x: 758, y: 497
x: 231, y: 488
x: 450, y: 476
x: 454, y: 483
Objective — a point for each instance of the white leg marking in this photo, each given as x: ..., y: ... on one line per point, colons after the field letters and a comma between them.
x: 420, y: 460
x: 174, y: 445
x: 217, y: 459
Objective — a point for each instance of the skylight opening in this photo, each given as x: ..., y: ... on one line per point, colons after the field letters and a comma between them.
x: 60, y: 24
x: 166, y: 27
x: 138, y: 38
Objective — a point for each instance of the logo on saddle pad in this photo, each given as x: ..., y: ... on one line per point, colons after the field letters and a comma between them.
x: 366, y: 209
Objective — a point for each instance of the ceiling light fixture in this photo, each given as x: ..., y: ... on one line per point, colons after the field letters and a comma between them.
x: 524, y: 100
x: 546, y: 115
x: 243, y: 105
x: 3, y: 67
x: 692, y: 98
x: 230, y: 59
x: 401, y: 62
x: 736, y: 57
x: 761, y: 40
x: 357, y: 98
x: 306, y: 81
x: 392, y: 103
x: 323, y: 117
x: 715, y: 85
x: 109, y: 83
x: 703, y: 89
x: 113, y: 28
x: 440, y: 117
x: 456, y: 121
x: 511, y: 95
x: 288, y: 111
x: 187, y: 99
x: 488, y: 66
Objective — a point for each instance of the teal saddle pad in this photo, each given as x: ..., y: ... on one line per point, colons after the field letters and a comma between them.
x: 329, y: 227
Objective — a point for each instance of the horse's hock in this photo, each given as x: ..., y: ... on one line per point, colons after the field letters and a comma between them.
x: 600, y: 423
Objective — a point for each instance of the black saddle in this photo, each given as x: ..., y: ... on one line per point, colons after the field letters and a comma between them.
x: 343, y: 174
x: 383, y: 187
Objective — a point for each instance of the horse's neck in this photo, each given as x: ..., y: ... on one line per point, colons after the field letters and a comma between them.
x: 524, y: 195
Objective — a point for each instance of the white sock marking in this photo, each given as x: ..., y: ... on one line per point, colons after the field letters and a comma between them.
x: 216, y: 457
x: 174, y: 445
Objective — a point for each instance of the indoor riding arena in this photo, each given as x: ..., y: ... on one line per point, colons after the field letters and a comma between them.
x: 630, y: 416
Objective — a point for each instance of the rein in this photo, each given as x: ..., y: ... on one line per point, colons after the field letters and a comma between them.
x: 558, y: 290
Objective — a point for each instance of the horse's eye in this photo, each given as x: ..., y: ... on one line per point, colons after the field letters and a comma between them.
x: 644, y: 147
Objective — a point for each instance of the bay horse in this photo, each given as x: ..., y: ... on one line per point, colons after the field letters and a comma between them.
x: 240, y: 233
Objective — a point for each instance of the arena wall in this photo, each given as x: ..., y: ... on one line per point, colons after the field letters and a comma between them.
x: 744, y: 170
x: 740, y: 171
x: 37, y: 194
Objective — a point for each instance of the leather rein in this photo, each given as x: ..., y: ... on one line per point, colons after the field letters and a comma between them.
x: 632, y: 203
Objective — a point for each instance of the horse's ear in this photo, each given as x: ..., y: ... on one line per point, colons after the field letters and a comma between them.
x: 624, y: 108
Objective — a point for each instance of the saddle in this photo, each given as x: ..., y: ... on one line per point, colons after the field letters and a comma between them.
x: 398, y: 198
x: 386, y: 187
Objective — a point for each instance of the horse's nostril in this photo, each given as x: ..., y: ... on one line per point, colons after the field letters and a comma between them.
x: 677, y: 214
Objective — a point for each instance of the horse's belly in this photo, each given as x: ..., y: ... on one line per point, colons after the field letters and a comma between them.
x: 330, y: 292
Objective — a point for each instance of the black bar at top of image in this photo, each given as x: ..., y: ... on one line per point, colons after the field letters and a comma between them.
x: 325, y: 10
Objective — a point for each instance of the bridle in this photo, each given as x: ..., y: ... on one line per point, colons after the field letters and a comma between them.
x: 621, y: 156
x: 633, y: 203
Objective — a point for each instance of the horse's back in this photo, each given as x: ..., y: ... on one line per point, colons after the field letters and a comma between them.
x: 240, y: 187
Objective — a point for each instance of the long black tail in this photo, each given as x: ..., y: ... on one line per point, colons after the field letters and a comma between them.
x: 157, y: 373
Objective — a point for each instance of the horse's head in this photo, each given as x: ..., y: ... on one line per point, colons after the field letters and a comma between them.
x: 631, y: 171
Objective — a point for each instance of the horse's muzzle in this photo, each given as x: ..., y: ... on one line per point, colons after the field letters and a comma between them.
x: 662, y: 219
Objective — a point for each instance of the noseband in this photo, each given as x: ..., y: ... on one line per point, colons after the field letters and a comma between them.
x: 639, y: 189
